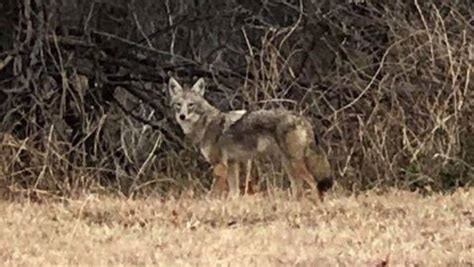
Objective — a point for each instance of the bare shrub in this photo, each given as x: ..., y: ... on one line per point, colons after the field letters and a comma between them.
x: 82, y: 99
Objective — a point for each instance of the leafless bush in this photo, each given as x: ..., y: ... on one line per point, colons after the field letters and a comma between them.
x: 83, y: 105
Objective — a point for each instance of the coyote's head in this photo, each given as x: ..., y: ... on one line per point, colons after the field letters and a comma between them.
x: 189, y: 105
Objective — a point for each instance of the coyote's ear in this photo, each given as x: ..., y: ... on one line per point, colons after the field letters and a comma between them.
x: 199, y: 87
x: 174, y: 87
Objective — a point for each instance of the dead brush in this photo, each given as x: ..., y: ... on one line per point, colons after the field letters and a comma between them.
x: 32, y: 170
x: 387, y: 85
x: 411, y: 113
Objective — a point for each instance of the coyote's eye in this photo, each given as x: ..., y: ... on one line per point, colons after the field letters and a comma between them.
x: 177, y: 105
x: 191, y: 105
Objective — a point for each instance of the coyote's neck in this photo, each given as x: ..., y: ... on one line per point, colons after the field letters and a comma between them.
x: 206, y: 125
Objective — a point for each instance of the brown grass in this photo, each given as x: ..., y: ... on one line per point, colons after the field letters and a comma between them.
x: 394, y: 228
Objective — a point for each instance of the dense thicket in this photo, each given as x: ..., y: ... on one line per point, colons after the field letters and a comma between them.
x: 388, y: 85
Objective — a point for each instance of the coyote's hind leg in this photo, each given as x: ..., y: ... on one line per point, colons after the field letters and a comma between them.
x: 303, y: 173
x: 250, y: 179
x: 299, y: 173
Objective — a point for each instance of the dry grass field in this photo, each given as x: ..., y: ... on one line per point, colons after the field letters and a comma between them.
x: 392, y: 229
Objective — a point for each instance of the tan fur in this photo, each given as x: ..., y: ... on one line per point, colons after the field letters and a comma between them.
x: 231, y: 140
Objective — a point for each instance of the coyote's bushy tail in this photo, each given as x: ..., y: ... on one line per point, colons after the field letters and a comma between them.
x: 317, y: 163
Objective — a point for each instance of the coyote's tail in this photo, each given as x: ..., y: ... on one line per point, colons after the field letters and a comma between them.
x: 318, y: 164
x: 325, y: 184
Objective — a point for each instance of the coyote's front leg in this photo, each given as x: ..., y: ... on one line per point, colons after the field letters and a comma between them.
x: 220, y: 173
x: 233, y: 177
x: 226, y: 176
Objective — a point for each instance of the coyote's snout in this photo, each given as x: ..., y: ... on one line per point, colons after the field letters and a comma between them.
x: 230, y: 139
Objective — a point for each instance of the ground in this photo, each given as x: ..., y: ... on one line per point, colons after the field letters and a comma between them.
x: 373, y: 229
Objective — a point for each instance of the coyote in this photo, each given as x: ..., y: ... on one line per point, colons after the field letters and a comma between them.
x: 230, y: 139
